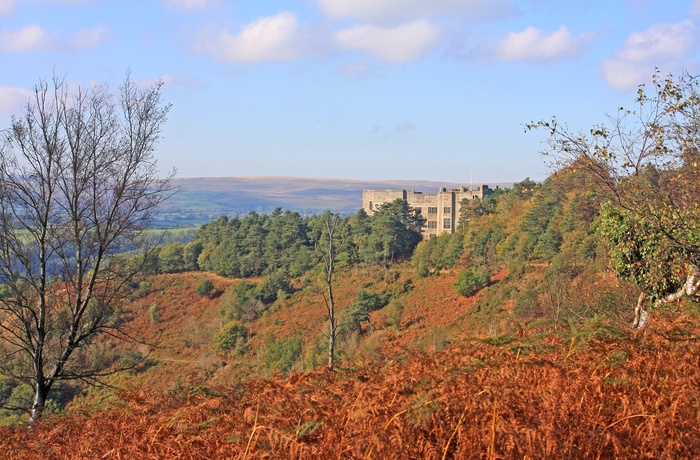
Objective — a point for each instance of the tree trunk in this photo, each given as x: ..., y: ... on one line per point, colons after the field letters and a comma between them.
x: 330, y: 302
x: 641, y: 316
x: 331, y: 319
x: 690, y: 288
x: 40, y: 394
x: 331, y: 348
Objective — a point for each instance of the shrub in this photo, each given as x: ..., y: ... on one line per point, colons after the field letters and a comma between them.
x: 144, y: 289
x: 471, y: 280
x: 516, y: 269
x: 6, y: 386
x: 394, y: 311
x: 170, y: 258
x: 240, y: 302
x: 154, y: 312
x: 282, y: 354
x: 204, y: 288
x: 316, y: 353
x: 232, y: 335
x: 5, y: 291
x: 268, y: 290
x: 527, y: 303
x: 366, y: 303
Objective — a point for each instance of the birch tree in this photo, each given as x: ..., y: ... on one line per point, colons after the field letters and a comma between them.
x: 78, y: 184
x: 329, y: 246
x: 648, y: 158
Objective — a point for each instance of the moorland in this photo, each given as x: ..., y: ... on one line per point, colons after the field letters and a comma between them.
x: 560, y: 320
x: 536, y: 361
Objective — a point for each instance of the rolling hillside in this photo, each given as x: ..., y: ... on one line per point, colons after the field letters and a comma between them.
x: 538, y: 362
x: 595, y: 392
x: 205, y: 198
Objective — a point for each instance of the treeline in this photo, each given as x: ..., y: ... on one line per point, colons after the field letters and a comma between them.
x: 284, y: 243
x: 544, y: 236
x: 548, y: 221
x: 528, y: 222
x: 547, y: 237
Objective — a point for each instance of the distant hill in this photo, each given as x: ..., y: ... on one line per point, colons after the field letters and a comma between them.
x: 205, y: 198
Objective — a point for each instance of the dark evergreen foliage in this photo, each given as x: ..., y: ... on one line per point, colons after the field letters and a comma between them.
x: 282, y: 245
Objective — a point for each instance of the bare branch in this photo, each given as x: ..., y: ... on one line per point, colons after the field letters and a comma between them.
x: 78, y: 184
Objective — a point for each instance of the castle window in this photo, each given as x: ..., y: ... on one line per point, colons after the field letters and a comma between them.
x: 432, y: 210
x: 432, y: 235
x: 447, y: 224
x: 432, y: 224
x: 447, y: 210
x: 418, y: 209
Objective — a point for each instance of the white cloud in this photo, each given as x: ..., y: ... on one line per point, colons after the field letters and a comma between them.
x: 273, y: 38
x: 403, y: 43
x: 89, y: 38
x: 397, y: 10
x: 7, y: 7
x: 663, y: 45
x: 36, y: 38
x: 13, y: 99
x: 186, y: 5
x: 534, y: 44
x: 30, y: 38
x: 661, y: 41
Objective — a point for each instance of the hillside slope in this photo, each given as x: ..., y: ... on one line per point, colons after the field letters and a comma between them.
x: 597, y: 393
x: 534, y: 359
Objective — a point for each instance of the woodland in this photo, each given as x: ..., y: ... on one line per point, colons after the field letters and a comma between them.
x: 561, y: 320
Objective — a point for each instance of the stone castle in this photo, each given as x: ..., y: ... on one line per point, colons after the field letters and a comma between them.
x: 441, y: 209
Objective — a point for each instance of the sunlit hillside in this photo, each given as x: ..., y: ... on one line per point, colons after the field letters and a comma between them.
x: 594, y: 391
x: 510, y: 338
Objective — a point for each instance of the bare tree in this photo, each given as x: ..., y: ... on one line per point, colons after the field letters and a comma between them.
x: 78, y: 185
x: 329, y: 245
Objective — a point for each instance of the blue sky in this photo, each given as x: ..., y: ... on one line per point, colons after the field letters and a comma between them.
x: 358, y: 89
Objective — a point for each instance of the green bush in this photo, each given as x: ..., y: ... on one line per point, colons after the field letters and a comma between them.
x: 240, y: 303
x: 154, y: 312
x: 268, y: 290
x: 316, y: 353
x: 398, y: 289
x: 366, y: 303
x: 516, y: 269
x: 170, y: 258
x: 5, y: 291
x: 19, y: 396
x: 6, y: 386
x: 282, y: 354
x: 204, y: 288
x: 394, y: 311
x: 232, y: 335
x: 527, y: 303
x: 144, y: 289
x: 471, y: 280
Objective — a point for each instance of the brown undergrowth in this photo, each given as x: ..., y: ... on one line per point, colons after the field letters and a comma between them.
x: 599, y: 392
